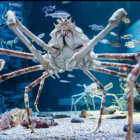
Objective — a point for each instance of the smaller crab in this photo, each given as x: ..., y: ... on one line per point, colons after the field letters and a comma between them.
x: 92, y: 91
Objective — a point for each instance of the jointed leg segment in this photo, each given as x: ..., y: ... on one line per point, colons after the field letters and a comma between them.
x: 38, y: 94
x: 131, y: 80
x: 74, y: 103
x: 86, y: 103
x: 20, y: 72
x: 13, y: 25
x: 26, y: 99
x: 17, y: 54
x: 103, y: 95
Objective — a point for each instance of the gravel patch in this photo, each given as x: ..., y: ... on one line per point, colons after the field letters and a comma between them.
x: 111, y: 129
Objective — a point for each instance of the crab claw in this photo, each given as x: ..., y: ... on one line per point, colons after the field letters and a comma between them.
x: 51, y: 74
x: 57, y: 75
x: 73, y: 62
x: 70, y: 65
x: 49, y: 69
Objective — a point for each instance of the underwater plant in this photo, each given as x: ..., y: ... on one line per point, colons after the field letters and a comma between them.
x: 69, y: 49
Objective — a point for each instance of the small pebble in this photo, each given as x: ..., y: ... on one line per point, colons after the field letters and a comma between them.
x: 76, y: 120
x: 44, y: 114
x: 60, y: 116
x: 136, y: 127
x: 117, y: 116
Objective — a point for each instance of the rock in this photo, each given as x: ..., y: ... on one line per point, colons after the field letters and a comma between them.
x: 6, y: 120
x: 110, y: 110
x: 76, y: 120
x: 44, y: 114
x: 60, y: 116
x: 91, y: 118
x: 39, y: 123
x: 136, y: 127
x: 121, y: 116
x: 83, y: 114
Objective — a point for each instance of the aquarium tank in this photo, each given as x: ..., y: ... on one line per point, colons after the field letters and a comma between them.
x: 57, y: 93
x: 71, y: 69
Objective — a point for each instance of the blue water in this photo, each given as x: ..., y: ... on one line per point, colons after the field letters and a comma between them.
x: 84, y: 13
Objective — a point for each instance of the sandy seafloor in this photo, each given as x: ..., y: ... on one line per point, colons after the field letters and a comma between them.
x: 111, y: 129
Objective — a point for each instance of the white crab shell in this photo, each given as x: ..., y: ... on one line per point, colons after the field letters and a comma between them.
x: 66, y: 41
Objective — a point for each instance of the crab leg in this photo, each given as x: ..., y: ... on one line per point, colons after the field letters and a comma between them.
x: 116, y: 98
x: 131, y: 80
x: 122, y: 56
x: 12, y: 23
x: 38, y: 95
x: 117, y: 74
x: 103, y: 95
x: 12, y: 19
x: 86, y: 103
x: 130, y: 85
x: 26, y: 99
x: 110, y: 72
x: 94, y: 95
x: 113, y: 22
x: 74, y: 103
x: 116, y: 65
x: 73, y: 99
x: 17, y: 54
x: 92, y: 98
x: 109, y: 86
x: 33, y: 37
x: 20, y: 72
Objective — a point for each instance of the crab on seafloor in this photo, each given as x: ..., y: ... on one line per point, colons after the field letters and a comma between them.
x: 68, y: 49
x: 92, y: 91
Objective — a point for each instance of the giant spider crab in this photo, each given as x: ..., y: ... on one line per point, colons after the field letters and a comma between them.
x: 70, y: 49
x: 92, y: 91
